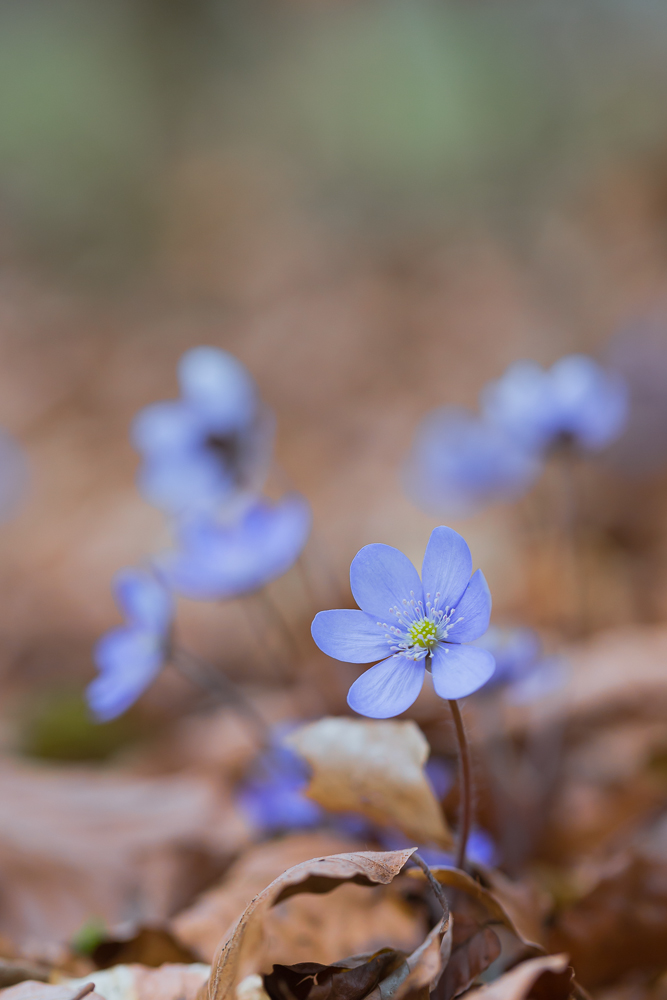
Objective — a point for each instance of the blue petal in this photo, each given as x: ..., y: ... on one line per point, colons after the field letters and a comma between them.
x: 475, y: 610
x: 218, y: 384
x: 447, y: 566
x: 217, y: 561
x: 187, y: 482
x: 352, y: 636
x: 144, y: 599
x: 388, y: 688
x: 460, y: 670
x: 128, y: 659
x: 381, y: 577
x: 167, y: 428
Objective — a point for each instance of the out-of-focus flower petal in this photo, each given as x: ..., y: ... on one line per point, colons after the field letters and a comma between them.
x: 352, y: 636
x: 547, y: 677
x: 166, y: 428
x: 190, y: 482
x: 447, y: 566
x: 219, y: 385
x: 460, y: 670
x: 459, y: 463
x: 593, y: 402
x: 515, y: 650
x: 388, y: 688
x: 224, y: 561
x: 13, y: 476
x: 475, y: 610
x: 128, y: 660
x: 144, y: 599
x: 381, y: 578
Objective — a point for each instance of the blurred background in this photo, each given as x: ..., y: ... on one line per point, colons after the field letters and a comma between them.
x: 377, y: 205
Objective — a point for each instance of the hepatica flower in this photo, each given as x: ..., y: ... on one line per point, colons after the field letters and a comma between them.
x: 217, y: 560
x: 130, y: 657
x: 575, y: 400
x: 411, y: 625
x: 459, y: 462
x: 211, y: 446
x: 272, y: 797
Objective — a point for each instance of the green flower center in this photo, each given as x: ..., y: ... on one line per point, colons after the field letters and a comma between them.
x: 423, y: 633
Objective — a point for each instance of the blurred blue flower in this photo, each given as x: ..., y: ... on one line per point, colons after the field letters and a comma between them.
x: 13, y: 476
x: 272, y: 795
x: 480, y: 848
x: 217, y: 560
x: 575, y: 400
x: 521, y: 667
x: 429, y: 621
x: 458, y: 463
x: 212, y: 446
x: 130, y: 657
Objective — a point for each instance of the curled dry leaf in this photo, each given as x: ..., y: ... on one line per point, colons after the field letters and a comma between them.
x: 374, y: 768
x: 547, y: 977
x: 242, y: 953
x: 304, y: 928
x: 495, y: 912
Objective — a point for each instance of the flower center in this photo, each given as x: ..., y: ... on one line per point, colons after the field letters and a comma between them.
x: 423, y: 633
x: 419, y: 630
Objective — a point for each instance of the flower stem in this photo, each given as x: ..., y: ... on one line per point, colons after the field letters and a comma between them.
x: 213, y: 681
x: 465, y: 785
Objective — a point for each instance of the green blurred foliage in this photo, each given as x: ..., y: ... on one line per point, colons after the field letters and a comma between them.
x: 57, y: 725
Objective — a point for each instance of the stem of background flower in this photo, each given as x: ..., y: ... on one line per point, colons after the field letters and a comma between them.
x: 465, y: 786
x: 574, y: 624
x: 275, y: 617
x: 204, y: 675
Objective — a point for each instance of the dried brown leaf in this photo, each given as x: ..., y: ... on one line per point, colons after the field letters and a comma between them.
x: 467, y: 962
x: 354, y: 919
x: 375, y: 768
x: 242, y: 953
x: 548, y: 977
x: 454, y: 878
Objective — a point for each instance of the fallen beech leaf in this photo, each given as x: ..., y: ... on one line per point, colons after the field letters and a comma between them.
x: 454, y: 878
x: 347, y: 980
x: 547, y: 976
x: 374, y: 768
x: 303, y: 929
x: 151, y: 946
x: 251, y: 988
x: 467, y: 962
x: 242, y: 953
x: 78, y: 842
x: 16, y: 971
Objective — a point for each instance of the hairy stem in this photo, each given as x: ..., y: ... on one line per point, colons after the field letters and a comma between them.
x: 465, y: 786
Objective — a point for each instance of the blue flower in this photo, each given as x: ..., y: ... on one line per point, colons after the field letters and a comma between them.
x: 521, y: 666
x: 130, y: 657
x: 575, y: 400
x: 13, y: 476
x: 212, y: 446
x: 273, y: 797
x: 458, y: 463
x: 219, y: 561
x: 413, y: 623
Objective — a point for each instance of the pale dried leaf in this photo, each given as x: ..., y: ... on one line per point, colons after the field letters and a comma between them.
x: 242, y: 953
x: 170, y: 981
x: 251, y: 988
x: 30, y: 989
x: 375, y: 768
